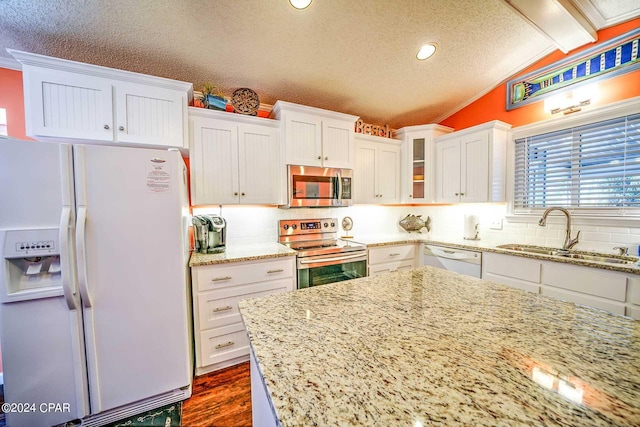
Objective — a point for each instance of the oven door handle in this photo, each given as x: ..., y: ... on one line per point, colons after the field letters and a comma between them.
x: 339, y: 258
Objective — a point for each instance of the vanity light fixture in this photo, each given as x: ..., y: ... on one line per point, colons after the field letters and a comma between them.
x: 300, y: 4
x: 571, y: 101
x: 426, y: 51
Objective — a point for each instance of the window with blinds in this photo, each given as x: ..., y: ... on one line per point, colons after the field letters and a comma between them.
x: 595, y: 166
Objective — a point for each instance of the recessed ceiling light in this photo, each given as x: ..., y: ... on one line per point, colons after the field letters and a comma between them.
x: 426, y: 51
x: 300, y: 4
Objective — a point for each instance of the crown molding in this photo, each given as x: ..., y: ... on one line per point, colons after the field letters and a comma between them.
x: 42, y: 61
x: 10, y: 63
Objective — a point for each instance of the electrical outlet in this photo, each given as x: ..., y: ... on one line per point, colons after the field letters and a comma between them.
x: 496, y: 224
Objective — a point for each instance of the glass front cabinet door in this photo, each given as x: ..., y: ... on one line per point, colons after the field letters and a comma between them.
x: 418, y: 169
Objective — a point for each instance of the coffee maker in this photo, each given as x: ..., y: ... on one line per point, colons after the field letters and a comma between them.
x: 209, y: 232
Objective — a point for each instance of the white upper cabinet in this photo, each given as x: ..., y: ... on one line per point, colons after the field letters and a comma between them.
x: 149, y: 115
x: 377, y: 172
x: 471, y: 164
x: 234, y: 159
x: 418, y: 161
x: 316, y: 137
x: 72, y: 100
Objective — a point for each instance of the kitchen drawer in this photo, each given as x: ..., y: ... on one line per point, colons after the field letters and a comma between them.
x: 210, y: 277
x: 221, y: 344
x: 375, y: 270
x: 219, y: 307
x: 585, y: 280
x: 392, y: 254
x: 510, y: 266
x: 583, y: 299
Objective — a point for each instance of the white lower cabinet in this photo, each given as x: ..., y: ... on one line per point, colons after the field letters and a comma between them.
x: 633, y: 298
x: 220, y: 336
x: 386, y: 259
x: 612, y: 291
x: 606, y: 290
x: 521, y: 273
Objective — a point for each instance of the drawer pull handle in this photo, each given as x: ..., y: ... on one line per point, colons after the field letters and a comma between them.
x: 219, y: 309
x: 396, y: 254
x: 217, y: 279
x: 448, y: 252
x: 227, y: 344
x: 280, y: 270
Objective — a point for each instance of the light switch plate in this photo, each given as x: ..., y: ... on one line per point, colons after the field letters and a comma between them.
x: 496, y: 224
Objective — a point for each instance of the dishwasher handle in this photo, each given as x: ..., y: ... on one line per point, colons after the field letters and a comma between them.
x: 454, y: 254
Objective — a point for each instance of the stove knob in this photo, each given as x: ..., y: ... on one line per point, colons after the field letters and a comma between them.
x: 326, y: 225
x: 333, y: 224
x: 286, y: 226
x: 294, y: 226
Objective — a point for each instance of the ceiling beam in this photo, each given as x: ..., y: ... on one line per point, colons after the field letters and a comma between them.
x: 559, y: 20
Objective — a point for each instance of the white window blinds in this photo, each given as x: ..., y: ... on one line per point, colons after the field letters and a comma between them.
x: 592, y: 166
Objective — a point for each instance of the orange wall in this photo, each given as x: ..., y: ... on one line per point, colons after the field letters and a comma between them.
x: 489, y: 107
x: 492, y: 106
x: 12, y: 99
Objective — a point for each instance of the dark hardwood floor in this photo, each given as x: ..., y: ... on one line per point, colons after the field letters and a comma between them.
x: 220, y: 399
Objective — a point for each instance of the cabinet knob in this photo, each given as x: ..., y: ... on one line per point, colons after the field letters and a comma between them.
x: 235, y: 194
x: 326, y: 158
x: 319, y: 157
x: 106, y: 126
x: 457, y: 194
x: 242, y: 194
x: 462, y: 194
x: 410, y: 195
x: 121, y: 128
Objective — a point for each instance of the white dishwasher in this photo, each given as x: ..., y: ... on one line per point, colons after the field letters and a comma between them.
x: 461, y: 261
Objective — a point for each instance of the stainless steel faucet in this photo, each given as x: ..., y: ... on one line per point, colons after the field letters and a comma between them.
x: 622, y: 250
x: 568, y: 241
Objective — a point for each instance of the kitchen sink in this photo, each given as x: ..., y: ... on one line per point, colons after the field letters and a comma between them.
x: 563, y: 253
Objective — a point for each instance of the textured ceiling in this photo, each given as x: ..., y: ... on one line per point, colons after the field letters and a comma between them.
x: 352, y: 56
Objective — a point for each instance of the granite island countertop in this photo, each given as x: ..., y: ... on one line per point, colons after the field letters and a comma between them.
x: 427, y: 346
x: 241, y: 252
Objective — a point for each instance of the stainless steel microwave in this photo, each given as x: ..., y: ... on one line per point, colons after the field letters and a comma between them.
x: 314, y: 187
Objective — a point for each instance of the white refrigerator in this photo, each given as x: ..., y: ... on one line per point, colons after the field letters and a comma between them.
x: 94, y: 299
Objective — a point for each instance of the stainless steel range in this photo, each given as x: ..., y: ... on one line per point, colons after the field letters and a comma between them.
x: 322, y: 257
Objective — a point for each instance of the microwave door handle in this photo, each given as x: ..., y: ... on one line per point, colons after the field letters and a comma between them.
x: 339, y: 187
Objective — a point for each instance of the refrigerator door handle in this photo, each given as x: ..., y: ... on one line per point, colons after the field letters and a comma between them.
x: 81, y: 250
x: 65, y: 256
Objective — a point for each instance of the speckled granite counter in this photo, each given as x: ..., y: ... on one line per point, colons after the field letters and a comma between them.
x: 427, y: 346
x: 236, y: 253
x: 390, y: 239
x: 485, y: 246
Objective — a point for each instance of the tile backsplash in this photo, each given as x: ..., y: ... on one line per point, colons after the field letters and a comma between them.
x: 259, y: 224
